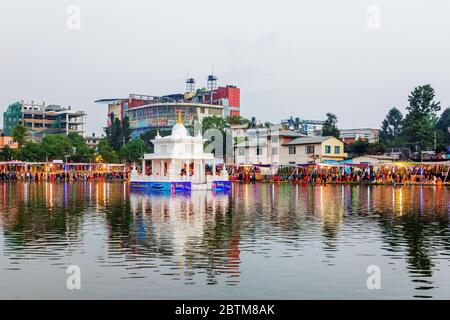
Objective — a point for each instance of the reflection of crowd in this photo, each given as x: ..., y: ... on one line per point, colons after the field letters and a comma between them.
x: 64, y: 176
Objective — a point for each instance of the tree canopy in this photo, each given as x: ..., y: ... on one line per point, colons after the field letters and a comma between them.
x: 133, y: 150
x: 19, y: 134
x: 420, y: 121
x: 329, y: 127
x: 118, y: 133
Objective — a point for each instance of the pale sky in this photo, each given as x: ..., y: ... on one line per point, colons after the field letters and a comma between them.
x: 299, y: 58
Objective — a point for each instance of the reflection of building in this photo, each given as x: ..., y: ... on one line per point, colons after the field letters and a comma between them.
x: 352, y: 135
x: 151, y: 112
x: 41, y: 119
x: 181, y: 226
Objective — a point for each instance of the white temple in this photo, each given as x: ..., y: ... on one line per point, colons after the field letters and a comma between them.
x: 178, y: 164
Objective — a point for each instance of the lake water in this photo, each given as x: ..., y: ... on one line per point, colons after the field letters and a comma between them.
x: 260, y: 241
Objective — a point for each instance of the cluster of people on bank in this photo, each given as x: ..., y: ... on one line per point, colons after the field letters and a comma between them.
x: 389, y: 174
x: 63, y: 176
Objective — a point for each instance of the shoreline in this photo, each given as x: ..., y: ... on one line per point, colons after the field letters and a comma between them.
x: 391, y: 184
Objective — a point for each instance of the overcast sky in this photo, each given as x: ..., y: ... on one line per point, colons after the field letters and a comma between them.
x: 299, y: 58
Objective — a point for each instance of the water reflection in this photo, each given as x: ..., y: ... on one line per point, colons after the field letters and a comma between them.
x: 258, y: 231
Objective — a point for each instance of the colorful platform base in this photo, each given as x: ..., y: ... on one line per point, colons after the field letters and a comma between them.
x: 181, y: 186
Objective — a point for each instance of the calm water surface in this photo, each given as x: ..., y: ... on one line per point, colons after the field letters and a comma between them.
x: 259, y: 241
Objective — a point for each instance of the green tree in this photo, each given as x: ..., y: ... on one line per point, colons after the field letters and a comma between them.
x: 6, y: 154
x: 376, y: 148
x: 214, y: 122
x: 391, y: 126
x: 81, y: 151
x: 232, y: 120
x: 359, y: 147
x: 149, y: 135
x: 31, y: 151
x: 19, y: 134
x: 106, y: 152
x: 57, y: 146
x: 420, y: 122
x: 329, y: 127
x: 133, y: 150
x: 118, y: 133
x: 443, y: 125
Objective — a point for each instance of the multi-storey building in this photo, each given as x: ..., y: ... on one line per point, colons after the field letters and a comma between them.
x: 160, y: 112
x: 283, y: 147
x: 163, y: 115
x: 350, y: 136
x: 43, y: 119
x: 306, y: 127
x: 92, y: 140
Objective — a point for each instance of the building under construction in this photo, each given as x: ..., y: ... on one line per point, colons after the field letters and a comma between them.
x: 43, y: 119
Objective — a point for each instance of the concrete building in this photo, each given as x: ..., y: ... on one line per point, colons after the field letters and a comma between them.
x: 276, y: 146
x: 304, y: 150
x: 160, y: 112
x: 350, y: 136
x: 306, y: 127
x: 262, y: 145
x: 163, y: 115
x: 93, y: 140
x: 7, y: 141
x: 43, y: 119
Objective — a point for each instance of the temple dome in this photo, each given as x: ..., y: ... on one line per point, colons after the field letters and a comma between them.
x: 179, y: 130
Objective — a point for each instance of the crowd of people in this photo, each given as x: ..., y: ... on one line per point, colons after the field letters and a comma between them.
x: 392, y: 173
x: 62, y: 176
x: 434, y: 174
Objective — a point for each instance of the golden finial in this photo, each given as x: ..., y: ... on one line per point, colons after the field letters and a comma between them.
x: 179, y: 117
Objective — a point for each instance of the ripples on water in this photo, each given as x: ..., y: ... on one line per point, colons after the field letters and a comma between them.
x: 259, y: 241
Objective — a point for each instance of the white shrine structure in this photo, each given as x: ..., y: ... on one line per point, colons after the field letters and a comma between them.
x: 178, y: 164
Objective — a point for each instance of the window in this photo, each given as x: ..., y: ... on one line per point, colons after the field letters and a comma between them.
x: 309, y: 149
x: 274, y: 139
x: 327, y: 149
x: 292, y: 150
x: 241, y: 151
x: 337, y: 149
x: 275, y: 151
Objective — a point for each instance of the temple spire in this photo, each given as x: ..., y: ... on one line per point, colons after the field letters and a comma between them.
x: 179, y: 117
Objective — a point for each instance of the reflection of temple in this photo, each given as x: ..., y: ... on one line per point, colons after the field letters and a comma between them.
x: 193, y: 229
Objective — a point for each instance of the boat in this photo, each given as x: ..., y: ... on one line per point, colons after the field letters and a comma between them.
x: 178, y: 164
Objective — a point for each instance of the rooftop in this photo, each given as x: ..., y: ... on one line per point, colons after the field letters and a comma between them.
x: 307, y: 140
